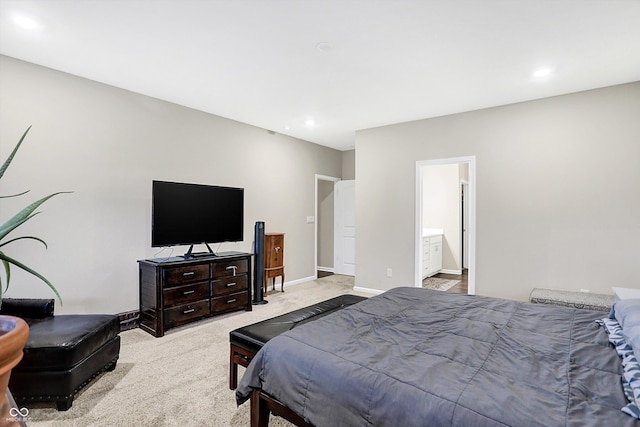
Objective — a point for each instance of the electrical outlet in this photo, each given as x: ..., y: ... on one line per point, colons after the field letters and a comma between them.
x: 389, y: 272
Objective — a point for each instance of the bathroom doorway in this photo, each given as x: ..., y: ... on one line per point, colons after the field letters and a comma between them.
x: 458, y: 239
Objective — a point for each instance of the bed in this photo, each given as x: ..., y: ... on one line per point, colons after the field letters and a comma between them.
x: 414, y: 357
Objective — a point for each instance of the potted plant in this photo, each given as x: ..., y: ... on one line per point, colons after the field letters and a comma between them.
x: 14, y: 331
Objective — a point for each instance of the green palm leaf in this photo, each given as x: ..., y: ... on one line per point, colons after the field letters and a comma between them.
x: 24, y: 215
x: 6, y: 260
x: 16, y: 221
x: 25, y: 237
x: 7, y: 273
x: 14, y: 195
x: 5, y: 165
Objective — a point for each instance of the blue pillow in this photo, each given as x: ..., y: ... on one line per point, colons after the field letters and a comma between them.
x: 627, y: 313
x: 630, y: 366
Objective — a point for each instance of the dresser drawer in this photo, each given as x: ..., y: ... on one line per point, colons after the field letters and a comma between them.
x: 230, y: 268
x: 184, y: 313
x: 229, y: 284
x: 189, y: 274
x: 229, y: 302
x: 186, y: 293
x: 277, y: 240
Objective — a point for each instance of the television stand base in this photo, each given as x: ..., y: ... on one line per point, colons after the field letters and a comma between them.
x: 191, y: 254
x: 199, y: 255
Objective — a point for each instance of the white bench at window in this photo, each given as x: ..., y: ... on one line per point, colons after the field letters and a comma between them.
x: 584, y: 300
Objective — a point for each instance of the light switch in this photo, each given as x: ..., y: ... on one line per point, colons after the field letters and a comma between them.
x: 311, y: 220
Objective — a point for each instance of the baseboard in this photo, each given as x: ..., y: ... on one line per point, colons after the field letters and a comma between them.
x: 129, y: 320
x: 367, y: 290
x: 298, y: 281
x: 291, y: 283
x: 457, y: 272
x: 326, y: 269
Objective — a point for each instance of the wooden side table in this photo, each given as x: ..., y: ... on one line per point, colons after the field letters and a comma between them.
x: 273, y: 259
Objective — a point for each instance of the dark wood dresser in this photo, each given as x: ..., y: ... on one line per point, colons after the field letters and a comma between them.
x: 176, y: 291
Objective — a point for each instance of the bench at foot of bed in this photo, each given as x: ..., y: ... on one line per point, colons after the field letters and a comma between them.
x: 247, y: 341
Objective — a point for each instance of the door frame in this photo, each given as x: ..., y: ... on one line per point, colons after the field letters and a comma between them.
x: 315, y: 220
x: 420, y: 164
x: 464, y: 208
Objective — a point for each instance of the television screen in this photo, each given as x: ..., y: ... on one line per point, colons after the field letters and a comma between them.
x: 189, y: 214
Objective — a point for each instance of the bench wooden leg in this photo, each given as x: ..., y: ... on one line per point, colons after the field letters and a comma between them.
x: 233, y: 374
x: 237, y: 356
x: 259, y: 410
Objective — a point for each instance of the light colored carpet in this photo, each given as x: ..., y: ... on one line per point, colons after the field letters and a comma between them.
x: 438, y: 284
x: 181, y: 379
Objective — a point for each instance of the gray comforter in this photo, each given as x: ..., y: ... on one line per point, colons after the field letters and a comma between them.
x: 414, y: 357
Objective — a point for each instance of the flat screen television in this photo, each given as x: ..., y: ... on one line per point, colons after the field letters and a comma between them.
x: 190, y: 214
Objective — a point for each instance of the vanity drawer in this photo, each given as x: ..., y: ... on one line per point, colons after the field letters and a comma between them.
x: 186, y: 293
x: 230, y: 268
x: 184, y: 313
x: 229, y: 302
x: 189, y: 274
x: 435, y: 239
x: 229, y: 284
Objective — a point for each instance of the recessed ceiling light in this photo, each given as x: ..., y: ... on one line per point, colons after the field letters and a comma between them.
x: 309, y: 122
x: 542, y: 72
x: 24, y: 22
x: 324, y: 46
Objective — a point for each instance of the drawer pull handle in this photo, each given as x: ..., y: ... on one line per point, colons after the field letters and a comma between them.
x: 231, y: 284
x: 231, y: 300
x: 232, y: 267
x: 191, y: 310
x: 188, y: 292
x: 189, y: 273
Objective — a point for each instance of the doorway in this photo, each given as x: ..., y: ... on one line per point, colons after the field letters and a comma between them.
x: 464, y: 242
x: 324, y: 219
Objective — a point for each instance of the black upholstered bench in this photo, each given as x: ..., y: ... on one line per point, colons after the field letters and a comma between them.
x: 248, y: 340
x: 63, y: 353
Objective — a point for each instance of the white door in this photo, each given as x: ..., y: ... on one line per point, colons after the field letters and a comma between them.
x: 344, y: 250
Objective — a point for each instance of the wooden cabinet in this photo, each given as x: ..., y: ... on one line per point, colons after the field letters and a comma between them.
x: 273, y: 258
x: 175, y: 291
x: 431, y: 255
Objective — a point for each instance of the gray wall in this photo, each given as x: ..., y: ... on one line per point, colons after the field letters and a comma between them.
x: 349, y: 164
x: 558, y: 204
x: 107, y: 145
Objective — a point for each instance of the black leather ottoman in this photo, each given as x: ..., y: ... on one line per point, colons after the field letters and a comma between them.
x: 63, y: 353
x: 248, y: 340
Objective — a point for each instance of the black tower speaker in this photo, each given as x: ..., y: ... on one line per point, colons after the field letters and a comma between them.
x: 258, y: 270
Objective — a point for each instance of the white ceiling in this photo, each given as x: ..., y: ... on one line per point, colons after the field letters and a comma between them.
x: 387, y: 61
